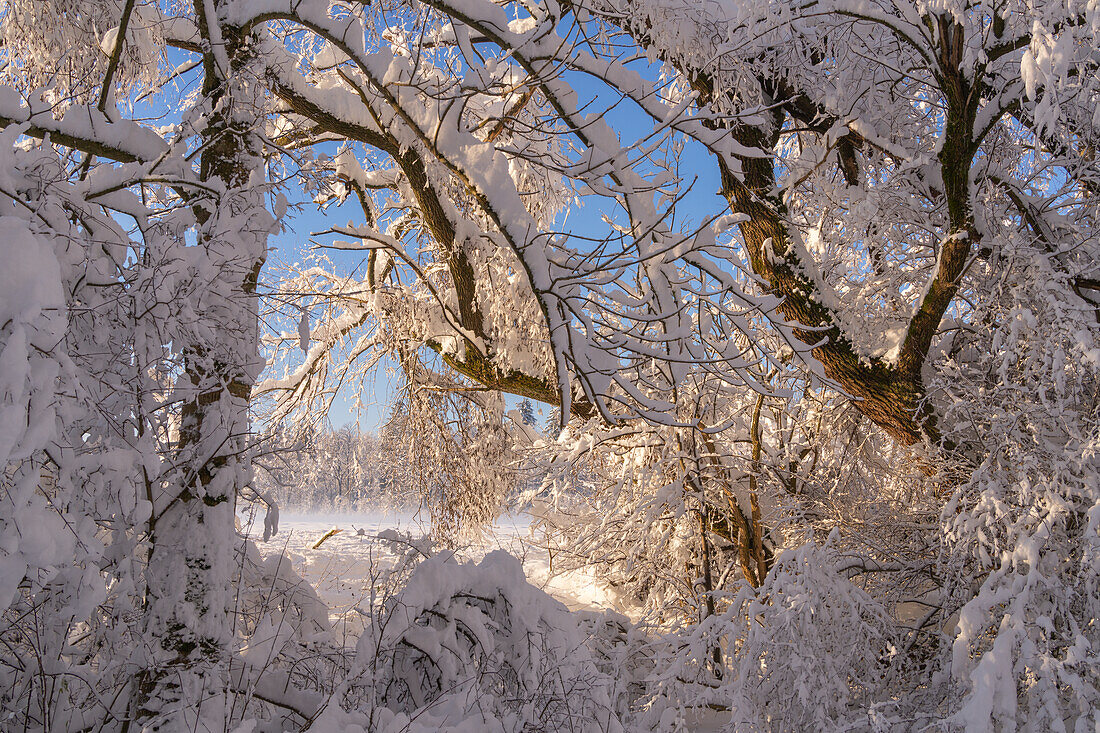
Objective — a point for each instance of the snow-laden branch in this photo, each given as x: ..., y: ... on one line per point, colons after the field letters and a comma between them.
x: 87, y: 129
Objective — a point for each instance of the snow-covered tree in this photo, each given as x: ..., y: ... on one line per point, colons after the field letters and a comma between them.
x: 138, y: 248
x: 527, y: 412
x: 884, y: 325
x: 906, y: 188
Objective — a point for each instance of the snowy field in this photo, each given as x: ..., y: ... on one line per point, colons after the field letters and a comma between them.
x: 345, y: 569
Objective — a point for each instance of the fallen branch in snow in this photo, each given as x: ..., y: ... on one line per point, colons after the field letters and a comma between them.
x: 331, y: 532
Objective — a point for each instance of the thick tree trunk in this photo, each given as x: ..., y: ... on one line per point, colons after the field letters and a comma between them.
x: 190, y: 566
x: 889, y: 398
x: 891, y: 395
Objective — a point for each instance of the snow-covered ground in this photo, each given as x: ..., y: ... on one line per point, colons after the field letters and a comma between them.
x: 348, y: 565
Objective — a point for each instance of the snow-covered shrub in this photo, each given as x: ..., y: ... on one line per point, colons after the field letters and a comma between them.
x: 622, y: 651
x: 807, y: 645
x: 475, y: 647
x: 624, y: 504
x: 1022, y: 535
x: 802, y: 652
x: 69, y: 448
x: 275, y: 605
x: 289, y: 658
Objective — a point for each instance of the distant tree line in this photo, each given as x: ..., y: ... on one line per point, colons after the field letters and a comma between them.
x: 346, y: 469
x: 336, y: 470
